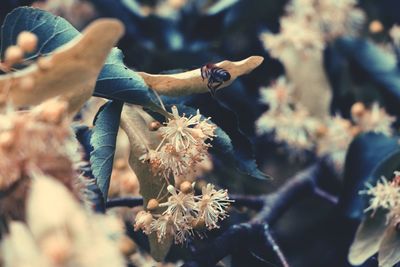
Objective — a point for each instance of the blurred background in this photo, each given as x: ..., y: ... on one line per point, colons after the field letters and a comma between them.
x: 167, y: 36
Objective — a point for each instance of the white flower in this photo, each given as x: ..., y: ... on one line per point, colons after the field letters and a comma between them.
x: 395, y: 34
x: 18, y: 248
x: 166, y: 226
x: 294, y: 128
x: 143, y: 221
x: 64, y: 234
x: 278, y: 96
x: 384, y: 195
x: 213, y: 205
x: 182, y: 132
x: 183, y: 147
x: 376, y: 120
x: 296, y: 33
x: 335, y: 140
x: 182, y: 207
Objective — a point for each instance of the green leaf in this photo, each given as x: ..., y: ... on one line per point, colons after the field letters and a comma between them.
x: 103, y: 140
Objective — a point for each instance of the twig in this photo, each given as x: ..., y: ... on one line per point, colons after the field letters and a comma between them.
x: 124, y: 202
x: 253, y: 202
x: 247, y: 235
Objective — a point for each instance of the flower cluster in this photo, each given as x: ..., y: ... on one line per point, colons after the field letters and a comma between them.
x: 183, y: 146
x: 36, y: 140
x: 395, y: 35
x: 184, y: 212
x: 374, y: 119
x: 334, y: 139
x: 59, y: 232
x: 309, y: 23
x: 290, y: 124
x: 384, y: 194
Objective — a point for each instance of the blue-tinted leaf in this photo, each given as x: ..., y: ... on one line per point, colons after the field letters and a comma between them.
x: 223, y: 147
x: 115, y: 80
x: 103, y: 140
x: 380, y: 66
x: 84, y: 134
x: 365, y: 155
x: 52, y: 31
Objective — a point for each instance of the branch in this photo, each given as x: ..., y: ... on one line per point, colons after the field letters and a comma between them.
x: 235, y: 240
x: 125, y: 202
x: 254, y: 202
x: 247, y: 236
x: 305, y: 183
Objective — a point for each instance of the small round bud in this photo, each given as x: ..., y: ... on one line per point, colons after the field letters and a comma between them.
x: 127, y: 246
x: 154, y: 125
x: 357, y: 110
x: 27, y: 83
x: 13, y: 55
x: 171, y: 189
x: 54, y: 111
x: 376, y: 26
x: 152, y: 204
x: 44, y: 63
x: 6, y: 140
x: 186, y: 187
x: 321, y: 131
x: 27, y: 41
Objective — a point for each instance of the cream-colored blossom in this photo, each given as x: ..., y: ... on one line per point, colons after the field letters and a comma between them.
x: 182, y: 207
x: 184, y: 145
x: 182, y: 132
x: 395, y: 34
x: 63, y: 232
x: 213, y: 205
x: 376, y: 120
x: 143, y: 221
x: 384, y: 195
x: 335, y: 139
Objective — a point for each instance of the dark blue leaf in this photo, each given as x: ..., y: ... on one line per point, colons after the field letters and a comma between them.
x: 364, y: 157
x: 84, y: 134
x: 380, y: 67
x: 115, y: 80
x: 103, y: 140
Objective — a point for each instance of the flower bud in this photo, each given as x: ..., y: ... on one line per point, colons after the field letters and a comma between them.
x: 44, y: 63
x: 357, y: 110
x: 154, y: 125
x: 152, y: 204
x: 27, y: 83
x: 376, y: 26
x: 186, y: 187
x: 27, y: 41
x: 13, y: 55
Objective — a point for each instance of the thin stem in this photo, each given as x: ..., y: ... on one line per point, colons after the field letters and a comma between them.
x: 124, y: 202
x: 275, y: 246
